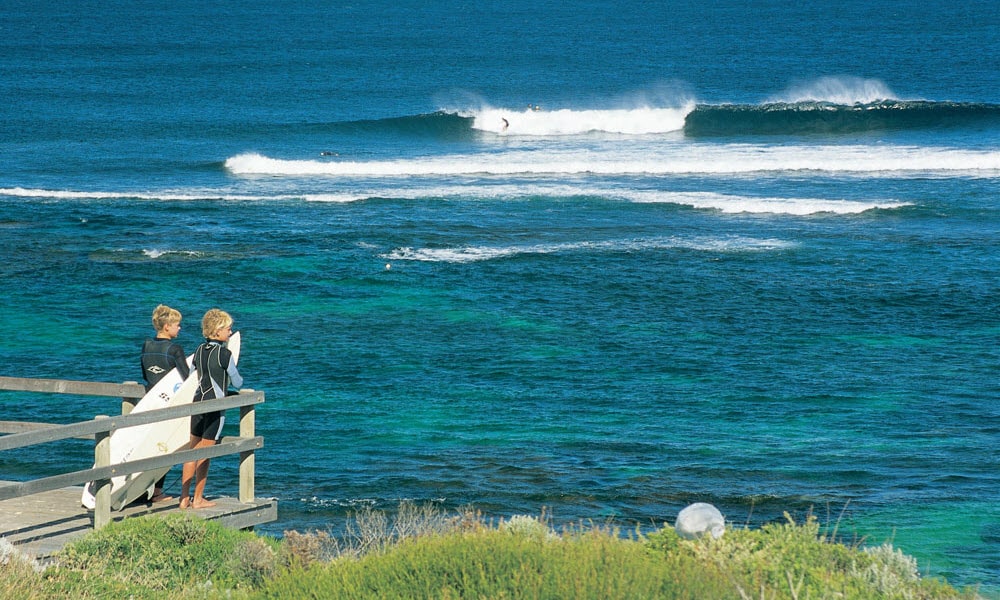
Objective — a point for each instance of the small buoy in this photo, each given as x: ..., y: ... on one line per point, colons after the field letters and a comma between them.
x: 698, y: 519
x: 388, y: 266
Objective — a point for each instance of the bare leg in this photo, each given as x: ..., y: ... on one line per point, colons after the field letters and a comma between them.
x: 201, y: 477
x: 158, y: 495
x: 188, y: 474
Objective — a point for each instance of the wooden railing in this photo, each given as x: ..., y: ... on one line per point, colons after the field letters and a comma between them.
x: 24, y: 434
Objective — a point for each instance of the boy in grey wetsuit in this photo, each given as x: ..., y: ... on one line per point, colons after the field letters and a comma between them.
x: 160, y: 356
x: 216, y: 370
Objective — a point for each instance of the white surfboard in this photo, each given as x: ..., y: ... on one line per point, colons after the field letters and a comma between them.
x: 153, y: 439
x: 160, y: 396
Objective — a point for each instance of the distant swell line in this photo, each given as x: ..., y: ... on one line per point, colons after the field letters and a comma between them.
x: 827, y: 118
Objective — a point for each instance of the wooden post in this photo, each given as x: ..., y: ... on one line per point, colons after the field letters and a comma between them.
x: 247, y: 459
x: 129, y: 403
x: 102, y: 494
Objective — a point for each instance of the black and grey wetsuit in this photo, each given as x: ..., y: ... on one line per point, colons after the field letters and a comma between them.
x: 159, y: 357
x: 216, y: 369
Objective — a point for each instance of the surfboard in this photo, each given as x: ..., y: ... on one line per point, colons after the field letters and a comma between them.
x: 159, y: 396
x: 153, y: 439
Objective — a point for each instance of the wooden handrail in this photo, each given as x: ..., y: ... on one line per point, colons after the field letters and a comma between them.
x: 100, y: 429
x: 54, y: 433
x: 229, y: 445
x: 64, y: 386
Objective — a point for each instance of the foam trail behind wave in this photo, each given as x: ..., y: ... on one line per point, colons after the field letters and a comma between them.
x: 465, y: 254
x: 757, y: 205
x: 165, y: 195
x: 726, y: 203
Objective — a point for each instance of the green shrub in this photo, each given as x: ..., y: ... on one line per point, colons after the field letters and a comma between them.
x: 145, y: 557
x: 665, y: 541
x: 785, y: 560
x: 528, y: 527
x: 303, y: 549
x: 492, y: 563
x: 423, y: 554
x: 19, y: 576
x: 253, y: 562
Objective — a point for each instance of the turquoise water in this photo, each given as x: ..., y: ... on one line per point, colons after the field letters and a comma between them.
x: 742, y: 257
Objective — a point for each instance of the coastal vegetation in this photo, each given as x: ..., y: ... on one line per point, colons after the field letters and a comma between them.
x: 424, y: 553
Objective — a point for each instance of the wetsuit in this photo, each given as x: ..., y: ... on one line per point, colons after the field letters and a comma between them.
x: 159, y: 357
x: 216, y: 369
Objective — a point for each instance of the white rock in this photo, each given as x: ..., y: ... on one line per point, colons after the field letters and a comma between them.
x: 698, y: 519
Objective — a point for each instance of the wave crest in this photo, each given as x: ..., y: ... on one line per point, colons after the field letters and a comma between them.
x: 813, y: 117
x: 837, y: 90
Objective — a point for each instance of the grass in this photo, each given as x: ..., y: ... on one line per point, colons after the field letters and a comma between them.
x: 423, y: 553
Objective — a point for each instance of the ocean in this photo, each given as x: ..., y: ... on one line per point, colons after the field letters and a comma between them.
x: 597, y: 260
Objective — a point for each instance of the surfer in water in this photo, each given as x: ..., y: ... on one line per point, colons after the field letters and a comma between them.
x: 216, y: 370
x: 160, y: 356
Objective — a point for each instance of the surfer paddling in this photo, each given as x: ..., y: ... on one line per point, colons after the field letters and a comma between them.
x: 160, y: 356
x: 216, y: 370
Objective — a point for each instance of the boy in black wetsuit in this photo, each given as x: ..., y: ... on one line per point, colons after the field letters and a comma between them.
x: 160, y: 356
x: 216, y: 370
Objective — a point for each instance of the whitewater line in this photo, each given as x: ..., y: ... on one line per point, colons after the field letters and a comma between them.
x: 676, y: 159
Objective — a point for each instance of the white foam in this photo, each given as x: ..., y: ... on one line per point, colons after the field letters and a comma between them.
x: 155, y: 253
x: 837, y: 90
x: 631, y: 121
x: 649, y: 159
x: 764, y: 205
x: 164, y: 195
x: 466, y: 254
x: 725, y: 203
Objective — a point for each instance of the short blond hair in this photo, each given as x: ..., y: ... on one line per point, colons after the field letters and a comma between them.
x: 213, y: 321
x: 163, y: 315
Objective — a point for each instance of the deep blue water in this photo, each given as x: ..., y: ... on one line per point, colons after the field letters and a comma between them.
x: 742, y: 255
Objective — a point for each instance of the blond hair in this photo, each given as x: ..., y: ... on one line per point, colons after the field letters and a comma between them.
x: 213, y: 321
x: 163, y: 315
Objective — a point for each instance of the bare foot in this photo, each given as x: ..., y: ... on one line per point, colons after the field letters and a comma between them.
x: 185, y: 502
x: 202, y: 503
x: 161, y: 497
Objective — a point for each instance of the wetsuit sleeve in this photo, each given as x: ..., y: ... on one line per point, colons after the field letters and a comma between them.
x: 180, y: 361
x: 234, y: 375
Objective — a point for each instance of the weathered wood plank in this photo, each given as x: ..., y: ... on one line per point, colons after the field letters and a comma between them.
x: 248, y: 460
x: 64, y: 386
x: 102, y: 497
x: 27, y: 426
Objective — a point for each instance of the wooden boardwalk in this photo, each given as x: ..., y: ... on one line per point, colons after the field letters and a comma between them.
x: 40, y: 516
x: 41, y: 524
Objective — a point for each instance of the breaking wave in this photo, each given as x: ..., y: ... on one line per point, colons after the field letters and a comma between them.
x: 665, y: 159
